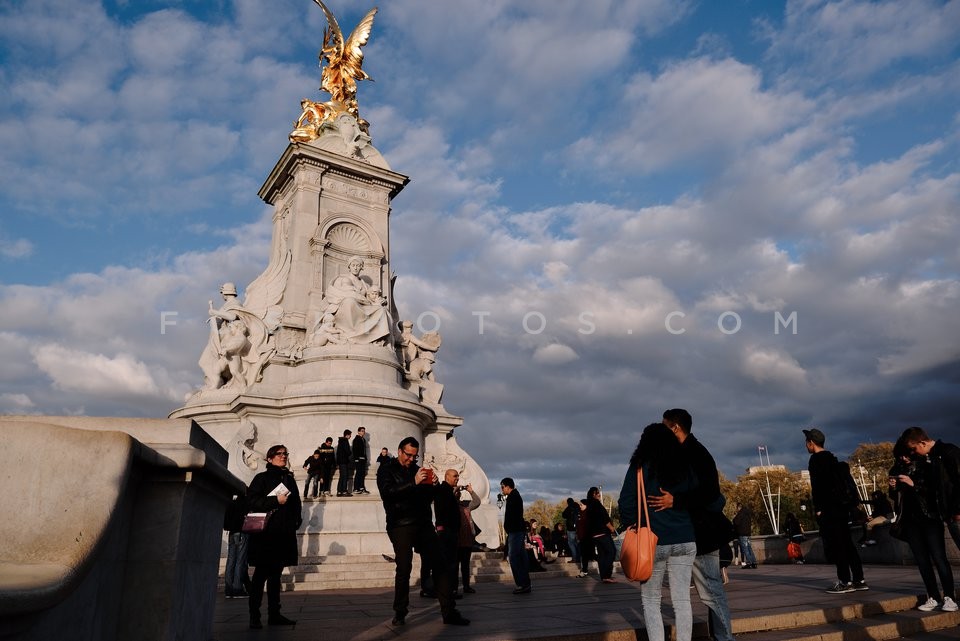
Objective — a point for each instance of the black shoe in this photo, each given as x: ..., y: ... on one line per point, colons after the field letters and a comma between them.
x: 469, y: 590
x: 457, y: 595
x: 455, y: 618
x: 399, y: 619
x: 255, y: 623
x: 279, y: 619
x: 428, y: 594
x: 348, y: 493
x: 524, y: 590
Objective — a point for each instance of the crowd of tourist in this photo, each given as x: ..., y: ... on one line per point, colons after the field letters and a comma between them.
x: 433, y: 518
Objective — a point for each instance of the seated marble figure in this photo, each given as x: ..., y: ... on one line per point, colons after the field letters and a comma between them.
x: 359, y: 311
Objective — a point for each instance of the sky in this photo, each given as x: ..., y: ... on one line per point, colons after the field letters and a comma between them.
x: 747, y: 208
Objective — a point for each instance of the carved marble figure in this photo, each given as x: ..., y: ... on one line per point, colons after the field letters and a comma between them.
x: 238, y: 347
x: 360, y: 318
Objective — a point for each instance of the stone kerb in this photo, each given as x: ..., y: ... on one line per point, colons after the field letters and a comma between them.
x: 124, y: 543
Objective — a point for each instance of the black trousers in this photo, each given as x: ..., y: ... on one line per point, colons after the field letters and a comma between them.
x: 926, y: 540
x: 269, y: 574
x: 424, y: 539
x: 839, y: 548
x: 359, y: 479
x: 463, y: 558
x: 344, y: 481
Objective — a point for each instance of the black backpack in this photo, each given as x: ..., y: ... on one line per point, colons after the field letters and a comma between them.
x: 846, y: 487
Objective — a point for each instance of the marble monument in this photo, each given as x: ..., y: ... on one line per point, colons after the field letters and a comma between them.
x: 317, y: 345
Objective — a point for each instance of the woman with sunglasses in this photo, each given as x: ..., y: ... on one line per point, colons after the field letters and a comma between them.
x: 273, y: 491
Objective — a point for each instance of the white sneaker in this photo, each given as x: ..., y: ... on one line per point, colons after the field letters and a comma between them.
x: 949, y: 605
x: 930, y: 605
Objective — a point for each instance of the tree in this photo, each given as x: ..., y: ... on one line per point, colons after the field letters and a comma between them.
x: 870, y: 463
x: 545, y: 513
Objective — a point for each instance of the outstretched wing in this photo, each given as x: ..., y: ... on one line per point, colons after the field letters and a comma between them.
x: 352, y: 50
x: 334, y: 32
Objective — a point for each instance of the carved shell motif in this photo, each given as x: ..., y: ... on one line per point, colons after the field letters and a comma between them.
x: 349, y: 238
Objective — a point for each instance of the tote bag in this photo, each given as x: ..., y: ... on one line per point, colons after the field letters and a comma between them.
x: 639, y: 542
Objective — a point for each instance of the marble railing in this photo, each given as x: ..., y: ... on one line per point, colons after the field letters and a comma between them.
x: 111, y: 528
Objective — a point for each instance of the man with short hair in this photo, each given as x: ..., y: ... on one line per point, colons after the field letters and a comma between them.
x: 828, y: 491
x: 516, y: 528
x: 344, y: 456
x: 705, y: 504
x: 944, y: 459
x: 360, y: 461
x: 407, y: 493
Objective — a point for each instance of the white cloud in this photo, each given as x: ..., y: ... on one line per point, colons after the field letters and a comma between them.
x: 555, y: 354
x: 74, y: 370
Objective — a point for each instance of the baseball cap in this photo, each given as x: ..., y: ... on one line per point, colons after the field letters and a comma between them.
x: 816, y: 436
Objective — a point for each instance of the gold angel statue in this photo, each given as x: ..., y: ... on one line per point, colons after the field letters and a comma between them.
x: 339, y: 77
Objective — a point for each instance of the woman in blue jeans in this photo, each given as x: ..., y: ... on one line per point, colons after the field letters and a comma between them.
x: 662, y: 461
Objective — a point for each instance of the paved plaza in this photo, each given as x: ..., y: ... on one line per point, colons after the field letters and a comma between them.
x: 786, y: 597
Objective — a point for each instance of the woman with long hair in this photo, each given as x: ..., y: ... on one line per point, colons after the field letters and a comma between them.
x: 273, y: 491
x: 664, y: 467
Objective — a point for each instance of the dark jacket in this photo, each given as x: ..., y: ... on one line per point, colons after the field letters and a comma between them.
x: 236, y: 510
x: 743, y: 522
x: 404, y: 502
x: 571, y: 514
x: 597, y: 517
x: 344, y: 451
x: 277, y: 545
x: 446, y: 507
x: 359, y: 449
x: 513, y: 520
x: 823, y: 468
x: 945, y: 459
x: 328, y: 456
x: 313, y: 465
x: 704, y: 500
x: 671, y: 526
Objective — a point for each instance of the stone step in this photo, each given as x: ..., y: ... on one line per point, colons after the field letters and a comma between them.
x: 882, y: 627
x: 375, y: 571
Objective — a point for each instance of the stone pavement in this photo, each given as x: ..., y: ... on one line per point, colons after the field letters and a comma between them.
x: 772, y: 596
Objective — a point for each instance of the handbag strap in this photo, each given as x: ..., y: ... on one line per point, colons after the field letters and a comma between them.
x: 642, y: 499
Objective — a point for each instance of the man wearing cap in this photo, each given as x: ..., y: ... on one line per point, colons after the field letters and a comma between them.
x: 833, y: 514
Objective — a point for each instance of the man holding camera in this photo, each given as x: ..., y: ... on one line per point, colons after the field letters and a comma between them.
x: 407, y: 492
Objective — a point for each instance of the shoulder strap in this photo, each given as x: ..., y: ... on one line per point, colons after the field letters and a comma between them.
x: 642, y: 500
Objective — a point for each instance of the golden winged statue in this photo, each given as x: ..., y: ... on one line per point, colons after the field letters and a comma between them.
x: 339, y: 77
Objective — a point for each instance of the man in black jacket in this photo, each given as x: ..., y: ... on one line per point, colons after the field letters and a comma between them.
x: 360, y: 461
x: 328, y: 461
x: 705, y: 504
x: 945, y: 461
x: 828, y: 489
x: 407, y: 493
x: 344, y: 456
x: 516, y: 528
x: 446, y: 506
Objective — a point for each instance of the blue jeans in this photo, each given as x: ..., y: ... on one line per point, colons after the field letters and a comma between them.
x: 517, y: 555
x: 573, y: 545
x: 316, y: 480
x: 236, y: 576
x: 709, y: 581
x: 746, y: 550
x: 676, y: 561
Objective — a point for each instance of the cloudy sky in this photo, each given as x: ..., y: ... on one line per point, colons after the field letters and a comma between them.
x: 745, y: 208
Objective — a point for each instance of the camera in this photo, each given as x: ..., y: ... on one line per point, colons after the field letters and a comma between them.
x: 461, y: 488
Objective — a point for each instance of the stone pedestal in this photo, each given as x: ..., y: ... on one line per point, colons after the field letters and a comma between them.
x: 330, y: 225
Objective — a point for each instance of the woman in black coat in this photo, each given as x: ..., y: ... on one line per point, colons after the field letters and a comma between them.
x: 275, y: 547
